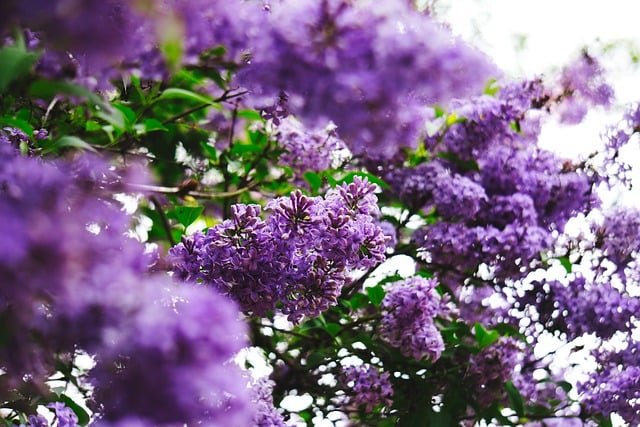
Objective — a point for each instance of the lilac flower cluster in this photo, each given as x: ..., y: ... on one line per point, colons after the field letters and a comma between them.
x: 72, y: 280
x: 615, y: 386
x: 614, y: 167
x: 619, y: 236
x: 296, y: 260
x: 582, y: 306
x: 409, y: 309
x: 306, y: 150
x: 583, y: 85
x: 474, y: 125
x: 491, y: 368
x: 266, y: 414
x: 64, y: 417
x: 366, y: 386
x: 369, y: 70
x: 499, y: 195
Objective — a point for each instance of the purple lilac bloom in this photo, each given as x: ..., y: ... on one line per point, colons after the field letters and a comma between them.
x: 619, y: 234
x: 266, y: 414
x: 489, y: 369
x: 366, y: 386
x: 175, y: 348
x: 369, y: 70
x: 297, y: 258
x: 415, y: 186
x: 458, y: 197
x: 582, y: 307
x: 483, y: 121
x: 305, y: 150
x: 409, y: 309
x: 583, y: 85
x: 65, y: 417
x: 615, y: 386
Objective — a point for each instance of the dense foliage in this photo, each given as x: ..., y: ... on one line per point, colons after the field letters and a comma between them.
x: 196, y: 198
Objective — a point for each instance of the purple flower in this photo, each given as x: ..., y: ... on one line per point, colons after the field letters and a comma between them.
x: 298, y: 258
x: 491, y: 368
x: 366, y: 386
x: 409, y: 309
x: 261, y: 395
x: 360, y: 68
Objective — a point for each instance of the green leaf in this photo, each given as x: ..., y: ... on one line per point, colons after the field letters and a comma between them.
x: 485, y: 337
x: 566, y: 263
x: 314, y: 180
x: 128, y: 115
x: 358, y: 301
x: 183, y: 94
x: 209, y: 150
x: 48, y: 89
x: 151, y: 125
x: 83, y: 416
x: 332, y: 329
x: 348, y: 178
x: 246, y: 148
x: 250, y: 115
x: 376, y: 294
x: 515, y: 398
x: 16, y: 62
x: 186, y: 215
x: 491, y: 88
x: 70, y: 141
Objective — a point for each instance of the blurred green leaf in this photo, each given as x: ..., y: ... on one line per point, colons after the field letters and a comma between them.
x: 332, y: 329
x: 16, y: 62
x: 70, y: 141
x: 358, y: 301
x: 484, y: 336
x: 314, y: 180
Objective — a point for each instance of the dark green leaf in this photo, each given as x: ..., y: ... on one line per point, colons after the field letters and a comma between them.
x: 376, y: 294
x: 358, y: 301
x: 246, y: 148
x: 209, y: 150
x: 515, y: 398
x: 332, y: 329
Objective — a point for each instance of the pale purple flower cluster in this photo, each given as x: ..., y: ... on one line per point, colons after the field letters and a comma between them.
x: 175, y: 348
x: 72, y: 280
x: 304, y: 149
x: 409, y: 309
x: 615, y: 167
x: 615, y: 386
x: 582, y: 307
x: 583, y: 85
x: 368, y: 69
x: 266, y: 414
x: 366, y: 386
x: 295, y: 260
x: 93, y: 41
x: 489, y: 369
